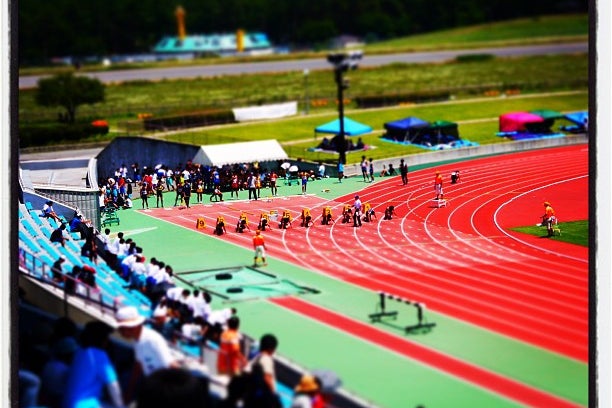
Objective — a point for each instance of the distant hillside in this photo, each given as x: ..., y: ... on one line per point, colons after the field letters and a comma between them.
x: 99, y: 27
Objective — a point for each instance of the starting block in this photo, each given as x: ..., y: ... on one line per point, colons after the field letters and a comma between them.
x: 438, y: 203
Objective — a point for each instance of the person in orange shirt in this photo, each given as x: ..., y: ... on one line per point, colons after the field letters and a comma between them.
x: 260, y: 248
x: 231, y: 360
x: 548, y: 218
x: 438, y: 186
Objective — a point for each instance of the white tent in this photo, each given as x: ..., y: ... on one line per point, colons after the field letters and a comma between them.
x: 244, y: 152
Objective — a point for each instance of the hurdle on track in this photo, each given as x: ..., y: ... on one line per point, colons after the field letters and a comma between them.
x: 381, y: 312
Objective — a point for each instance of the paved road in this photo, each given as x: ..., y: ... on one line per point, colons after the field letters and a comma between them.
x: 314, y: 64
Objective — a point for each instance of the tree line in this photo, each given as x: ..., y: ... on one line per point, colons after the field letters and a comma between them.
x: 95, y: 27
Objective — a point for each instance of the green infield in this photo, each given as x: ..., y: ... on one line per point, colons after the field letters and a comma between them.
x: 575, y: 232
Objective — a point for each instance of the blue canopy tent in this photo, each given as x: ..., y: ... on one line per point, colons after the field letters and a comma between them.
x: 580, y: 121
x: 351, y: 128
x: 404, y: 130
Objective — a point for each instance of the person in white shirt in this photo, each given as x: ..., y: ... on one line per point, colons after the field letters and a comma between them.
x: 151, y: 350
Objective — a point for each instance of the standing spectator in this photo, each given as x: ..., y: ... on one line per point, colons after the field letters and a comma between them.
x: 260, y: 248
x: 49, y: 212
x: 262, y: 393
x: 144, y: 194
x: 199, y: 190
x: 235, y: 185
x: 169, y: 179
x: 231, y: 360
x: 364, y: 169
x: 321, y: 170
x: 58, y: 235
x: 438, y: 186
x: 340, y: 171
x: 273, y: 187
x: 371, y: 169
x: 404, y: 172
x: 304, y: 181
x: 187, y: 192
x: 357, y: 212
x: 92, y: 370
x: 179, y: 192
x: 159, y: 192
x: 251, y: 184
x: 150, y: 348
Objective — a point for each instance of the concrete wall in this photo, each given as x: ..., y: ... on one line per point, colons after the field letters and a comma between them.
x: 145, y: 151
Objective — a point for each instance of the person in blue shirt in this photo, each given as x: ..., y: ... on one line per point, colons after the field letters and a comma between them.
x: 92, y: 372
x: 340, y: 171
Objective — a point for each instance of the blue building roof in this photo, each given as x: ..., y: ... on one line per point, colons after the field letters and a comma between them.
x: 212, y: 44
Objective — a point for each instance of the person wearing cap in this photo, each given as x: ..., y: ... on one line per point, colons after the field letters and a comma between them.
x: 357, y: 213
x: 92, y: 372
x: 438, y: 186
x: 548, y: 219
x: 259, y: 246
x: 307, y: 393
x: 150, y: 348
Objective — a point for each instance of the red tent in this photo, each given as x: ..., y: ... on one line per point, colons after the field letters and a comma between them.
x: 518, y: 121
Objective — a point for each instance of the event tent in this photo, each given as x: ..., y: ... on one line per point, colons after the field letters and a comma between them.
x: 519, y: 122
x: 404, y: 130
x: 351, y: 128
x: 242, y: 152
x: 420, y: 132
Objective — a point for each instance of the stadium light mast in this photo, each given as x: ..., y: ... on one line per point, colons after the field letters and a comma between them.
x: 342, y: 62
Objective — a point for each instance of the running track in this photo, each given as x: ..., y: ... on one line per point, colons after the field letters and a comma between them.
x: 460, y: 260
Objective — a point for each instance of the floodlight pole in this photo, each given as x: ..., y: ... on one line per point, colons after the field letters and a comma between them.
x: 342, y: 62
x: 340, y: 85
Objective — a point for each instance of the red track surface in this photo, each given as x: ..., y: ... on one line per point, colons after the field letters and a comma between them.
x: 460, y: 260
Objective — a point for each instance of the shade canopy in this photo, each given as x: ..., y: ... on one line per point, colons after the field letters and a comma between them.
x: 518, y: 121
x: 351, y: 128
x: 242, y: 152
x: 547, y: 114
x: 579, y: 118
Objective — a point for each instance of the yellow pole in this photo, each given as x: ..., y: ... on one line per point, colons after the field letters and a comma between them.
x: 240, y: 40
x: 180, y: 21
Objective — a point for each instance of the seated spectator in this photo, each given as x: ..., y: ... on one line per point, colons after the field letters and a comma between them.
x: 90, y: 249
x: 217, y: 195
x: 56, y: 269
x: 58, y: 235
x: 307, y: 393
x: 360, y: 145
x: 80, y: 224
x: 384, y: 172
x: 49, y: 212
x: 88, y: 276
x: 174, y: 387
x: 391, y: 170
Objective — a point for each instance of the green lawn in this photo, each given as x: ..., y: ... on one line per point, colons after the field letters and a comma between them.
x: 478, y: 122
x: 575, y: 232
